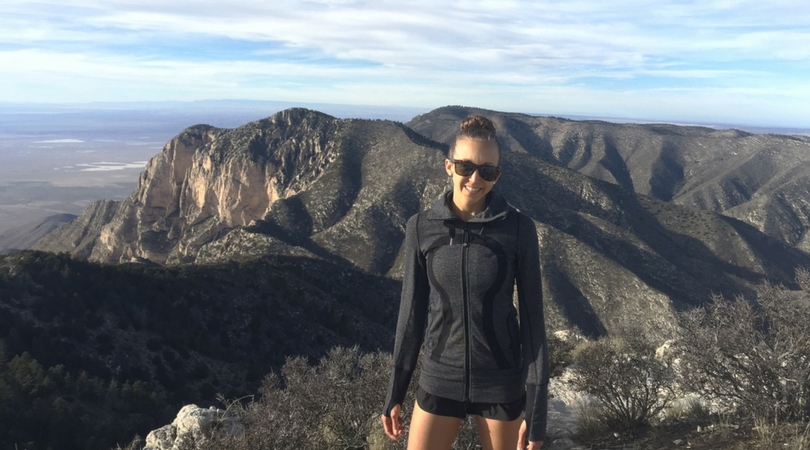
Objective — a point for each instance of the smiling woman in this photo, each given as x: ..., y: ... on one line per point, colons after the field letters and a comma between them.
x: 464, y: 258
x: 473, y: 165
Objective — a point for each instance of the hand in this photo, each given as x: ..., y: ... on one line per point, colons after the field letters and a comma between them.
x: 394, y: 425
x: 522, y: 440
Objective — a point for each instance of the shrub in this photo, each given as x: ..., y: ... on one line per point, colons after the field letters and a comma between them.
x: 335, y: 404
x: 560, y: 348
x: 591, y: 423
x: 629, y: 384
x: 752, y: 356
x: 689, y: 407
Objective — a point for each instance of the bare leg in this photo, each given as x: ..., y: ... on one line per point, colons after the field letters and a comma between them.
x: 431, y: 432
x: 498, y: 434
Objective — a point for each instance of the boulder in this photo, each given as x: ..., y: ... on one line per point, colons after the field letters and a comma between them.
x: 194, y: 426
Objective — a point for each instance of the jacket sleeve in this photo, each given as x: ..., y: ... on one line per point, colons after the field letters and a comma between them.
x: 412, y: 318
x: 532, y: 329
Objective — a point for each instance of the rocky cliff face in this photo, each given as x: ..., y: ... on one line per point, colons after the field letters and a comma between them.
x: 304, y: 184
x: 206, y: 181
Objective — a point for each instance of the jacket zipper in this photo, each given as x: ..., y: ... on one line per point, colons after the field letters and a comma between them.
x: 466, y: 306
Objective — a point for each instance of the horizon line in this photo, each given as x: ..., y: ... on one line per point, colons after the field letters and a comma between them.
x: 400, y: 109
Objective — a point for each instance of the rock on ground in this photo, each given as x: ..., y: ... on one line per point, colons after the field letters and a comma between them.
x: 193, y: 425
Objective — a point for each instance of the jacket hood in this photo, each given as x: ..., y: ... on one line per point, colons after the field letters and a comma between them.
x: 496, y: 209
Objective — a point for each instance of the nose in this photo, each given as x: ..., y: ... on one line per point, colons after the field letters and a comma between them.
x: 475, y: 176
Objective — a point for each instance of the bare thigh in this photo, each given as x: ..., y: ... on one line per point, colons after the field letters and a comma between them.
x: 431, y: 432
x: 498, y: 434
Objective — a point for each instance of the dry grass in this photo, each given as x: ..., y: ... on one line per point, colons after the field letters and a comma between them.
x: 590, y: 421
x: 689, y: 408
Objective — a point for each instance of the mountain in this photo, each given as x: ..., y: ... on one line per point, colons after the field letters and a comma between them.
x: 761, y: 179
x: 307, y: 185
x: 26, y: 235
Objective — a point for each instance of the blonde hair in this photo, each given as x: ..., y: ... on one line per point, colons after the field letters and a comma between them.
x: 477, y: 128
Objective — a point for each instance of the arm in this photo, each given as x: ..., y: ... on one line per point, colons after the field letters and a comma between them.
x: 532, y: 329
x: 411, y: 323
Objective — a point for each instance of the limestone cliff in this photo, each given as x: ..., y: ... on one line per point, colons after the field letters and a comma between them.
x: 206, y: 181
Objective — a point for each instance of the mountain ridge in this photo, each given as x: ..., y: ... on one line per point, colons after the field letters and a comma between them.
x: 757, y: 178
x: 26, y: 235
x: 304, y: 183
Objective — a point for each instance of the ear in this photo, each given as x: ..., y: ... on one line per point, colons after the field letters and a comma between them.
x: 448, y: 167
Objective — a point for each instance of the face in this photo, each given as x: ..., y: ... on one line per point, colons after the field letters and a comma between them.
x: 469, y: 193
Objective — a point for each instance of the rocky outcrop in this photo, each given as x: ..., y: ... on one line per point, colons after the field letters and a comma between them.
x: 192, y: 428
x: 204, y: 182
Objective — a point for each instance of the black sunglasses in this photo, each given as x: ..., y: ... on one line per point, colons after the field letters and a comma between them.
x: 466, y: 169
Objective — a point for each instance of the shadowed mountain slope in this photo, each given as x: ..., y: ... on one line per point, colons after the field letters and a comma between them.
x: 26, y: 235
x: 304, y: 184
x: 760, y: 179
x: 104, y: 351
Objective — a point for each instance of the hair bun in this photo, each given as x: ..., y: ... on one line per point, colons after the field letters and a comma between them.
x: 474, y: 123
x: 477, y: 128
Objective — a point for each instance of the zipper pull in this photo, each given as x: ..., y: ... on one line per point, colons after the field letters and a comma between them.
x: 464, y: 232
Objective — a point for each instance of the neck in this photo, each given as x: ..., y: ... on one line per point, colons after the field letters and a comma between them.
x: 466, y: 212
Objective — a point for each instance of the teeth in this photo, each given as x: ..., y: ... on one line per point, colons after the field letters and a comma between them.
x: 472, y: 189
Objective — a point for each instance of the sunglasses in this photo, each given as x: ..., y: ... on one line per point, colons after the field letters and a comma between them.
x: 466, y: 169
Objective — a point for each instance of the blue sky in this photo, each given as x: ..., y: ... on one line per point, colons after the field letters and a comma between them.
x: 711, y: 61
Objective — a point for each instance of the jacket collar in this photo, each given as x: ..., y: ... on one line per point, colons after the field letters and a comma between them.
x: 496, y: 209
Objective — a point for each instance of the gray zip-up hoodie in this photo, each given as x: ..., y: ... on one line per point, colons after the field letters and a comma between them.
x: 457, y: 296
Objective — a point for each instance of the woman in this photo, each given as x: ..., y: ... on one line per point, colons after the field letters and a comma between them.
x: 464, y: 257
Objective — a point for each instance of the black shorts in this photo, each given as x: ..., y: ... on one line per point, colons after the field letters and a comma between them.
x: 445, y: 407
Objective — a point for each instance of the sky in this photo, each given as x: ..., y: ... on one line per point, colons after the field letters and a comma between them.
x: 708, y: 61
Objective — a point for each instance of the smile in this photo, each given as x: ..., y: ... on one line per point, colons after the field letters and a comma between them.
x: 472, y: 189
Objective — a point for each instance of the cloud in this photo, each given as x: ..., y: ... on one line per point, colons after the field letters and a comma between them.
x: 381, y: 52
x: 103, y: 166
x: 60, y: 141
x: 439, y: 35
